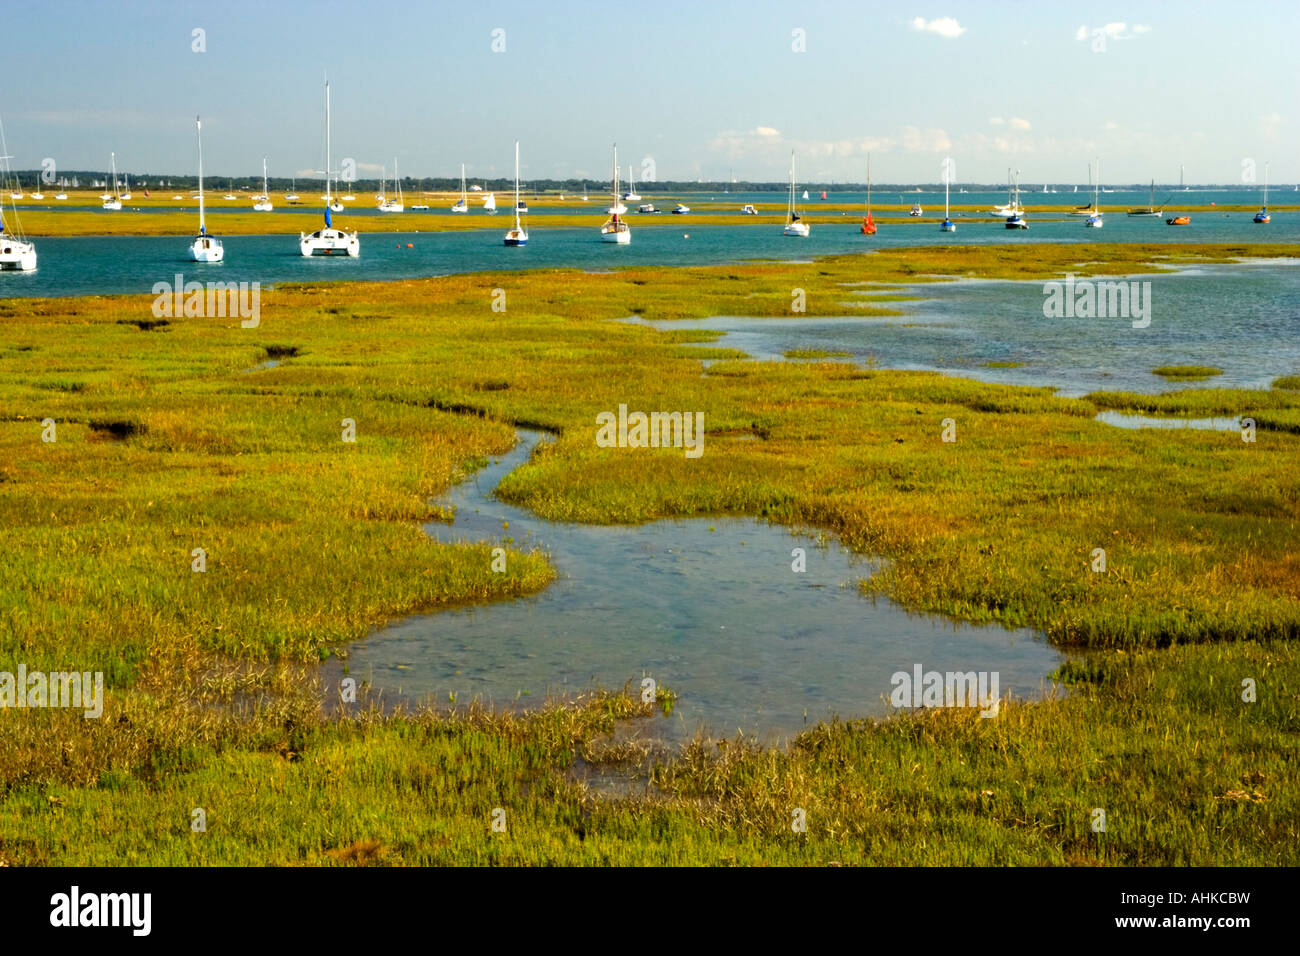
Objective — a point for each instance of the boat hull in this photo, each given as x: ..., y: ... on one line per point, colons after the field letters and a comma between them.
x: 206, y: 249
x: 330, y: 242
x: 17, y: 256
x: 799, y: 230
x: 516, y: 237
x: 619, y: 237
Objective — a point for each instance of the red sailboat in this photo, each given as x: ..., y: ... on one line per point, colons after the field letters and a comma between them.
x: 868, y: 227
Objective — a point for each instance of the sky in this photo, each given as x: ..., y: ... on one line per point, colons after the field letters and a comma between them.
x: 706, y: 89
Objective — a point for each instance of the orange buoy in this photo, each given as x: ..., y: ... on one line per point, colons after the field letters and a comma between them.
x: 410, y: 245
x: 686, y: 236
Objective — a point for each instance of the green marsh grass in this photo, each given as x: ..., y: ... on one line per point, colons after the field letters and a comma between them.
x: 179, y: 437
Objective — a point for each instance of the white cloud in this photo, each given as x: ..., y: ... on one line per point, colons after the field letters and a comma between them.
x: 926, y: 140
x: 1117, y: 30
x: 997, y: 120
x: 1018, y: 123
x: 946, y: 27
x: 766, y: 131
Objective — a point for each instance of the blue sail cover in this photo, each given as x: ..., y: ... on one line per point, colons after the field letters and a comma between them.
x: 328, y: 223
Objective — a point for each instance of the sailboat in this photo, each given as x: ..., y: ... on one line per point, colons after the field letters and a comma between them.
x: 584, y: 191
x: 204, y: 248
x: 1012, y: 207
x: 329, y: 241
x: 794, y: 226
x: 292, y: 194
x: 517, y: 236
x: 631, y: 195
x: 615, y: 229
x: 490, y: 203
x: 1089, y: 208
x: 17, y: 254
x: 1262, y: 216
x: 1181, y: 187
x: 461, y: 204
x: 868, y: 226
x: 114, y: 203
x: 231, y: 195
x: 1150, y: 210
x: 947, y: 224
x: 1016, y: 220
x: 265, y: 204
x: 1094, y: 220
x: 126, y: 190
x: 398, y: 204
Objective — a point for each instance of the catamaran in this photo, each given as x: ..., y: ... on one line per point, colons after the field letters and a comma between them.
x: 518, y: 236
x: 17, y: 254
x: 204, y: 248
x: 868, y: 225
x: 461, y: 204
x: 329, y: 241
x: 794, y: 226
x: 264, y: 203
x: 631, y: 195
x: 1150, y: 210
x: 615, y: 229
x: 1094, y: 220
x: 398, y: 204
x: 947, y: 225
x: 114, y: 202
x: 1262, y: 216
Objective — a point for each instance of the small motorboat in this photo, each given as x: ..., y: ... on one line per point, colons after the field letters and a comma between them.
x: 1179, y: 221
x: 647, y: 207
x: 680, y: 210
x: 748, y: 210
x: 916, y: 210
x: 1016, y: 222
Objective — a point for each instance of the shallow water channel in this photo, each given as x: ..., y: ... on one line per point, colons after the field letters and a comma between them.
x: 708, y: 607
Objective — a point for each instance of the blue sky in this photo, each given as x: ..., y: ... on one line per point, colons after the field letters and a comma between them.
x: 698, y: 88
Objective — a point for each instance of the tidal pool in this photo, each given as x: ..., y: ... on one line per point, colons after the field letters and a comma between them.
x: 710, y: 608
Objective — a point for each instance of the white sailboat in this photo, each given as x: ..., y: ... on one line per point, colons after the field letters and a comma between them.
x: 631, y: 195
x: 461, y: 204
x: 398, y: 204
x: 17, y: 253
x: 584, y: 191
x: 518, y: 236
x: 490, y: 203
x: 1094, y: 220
x: 1012, y: 207
x: 114, y: 202
x: 264, y: 203
x: 615, y: 229
x: 329, y: 241
x: 204, y: 248
x: 947, y: 225
x: 126, y: 190
x: 794, y: 226
x: 292, y: 194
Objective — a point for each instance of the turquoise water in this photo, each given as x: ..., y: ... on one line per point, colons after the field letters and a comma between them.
x: 710, y: 608
x: 132, y: 264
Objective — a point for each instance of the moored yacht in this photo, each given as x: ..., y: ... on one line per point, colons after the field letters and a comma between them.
x: 615, y: 229
x: 329, y: 241
x: 204, y: 248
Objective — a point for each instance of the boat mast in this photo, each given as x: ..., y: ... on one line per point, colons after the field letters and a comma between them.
x: 329, y: 193
x: 868, y: 184
x: 198, y: 132
x: 614, y: 206
x: 517, y: 226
